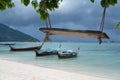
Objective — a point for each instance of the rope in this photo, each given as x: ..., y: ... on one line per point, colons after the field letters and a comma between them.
x: 48, y: 25
x: 102, y: 25
x: 47, y: 38
x: 103, y: 17
x: 103, y: 20
x: 49, y: 21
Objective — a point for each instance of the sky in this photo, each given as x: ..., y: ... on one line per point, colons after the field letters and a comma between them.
x: 71, y: 14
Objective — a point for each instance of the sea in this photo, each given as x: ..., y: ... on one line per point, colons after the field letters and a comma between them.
x: 102, y: 60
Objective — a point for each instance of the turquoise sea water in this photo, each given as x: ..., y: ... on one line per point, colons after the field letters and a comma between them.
x: 93, y: 59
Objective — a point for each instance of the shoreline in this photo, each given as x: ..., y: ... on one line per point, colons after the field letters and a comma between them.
x: 11, y: 70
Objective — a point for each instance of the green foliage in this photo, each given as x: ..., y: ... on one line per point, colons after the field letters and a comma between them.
x: 43, y: 6
x: 34, y: 4
x: 107, y: 3
x: 118, y: 25
x: 25, y: 2
x: 92, y: 1
x: 6, y: 4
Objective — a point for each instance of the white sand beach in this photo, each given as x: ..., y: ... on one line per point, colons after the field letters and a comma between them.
x: 10, y: 70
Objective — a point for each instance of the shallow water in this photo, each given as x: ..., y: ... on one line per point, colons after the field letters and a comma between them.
x: 93, y: 59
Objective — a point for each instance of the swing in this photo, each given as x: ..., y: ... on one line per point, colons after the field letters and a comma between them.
x: 99, y: 34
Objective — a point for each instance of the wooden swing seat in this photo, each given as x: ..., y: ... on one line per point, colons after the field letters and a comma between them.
x: 77, y: 33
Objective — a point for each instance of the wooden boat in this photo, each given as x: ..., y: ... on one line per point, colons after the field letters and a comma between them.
x: 45, y: 52
x: 25, y: 49
x: 67, y: 54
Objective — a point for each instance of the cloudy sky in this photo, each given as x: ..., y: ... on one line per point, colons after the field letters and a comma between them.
x: 80, y: 14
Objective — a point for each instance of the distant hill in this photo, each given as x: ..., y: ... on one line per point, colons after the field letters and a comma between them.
x: 9, y: 34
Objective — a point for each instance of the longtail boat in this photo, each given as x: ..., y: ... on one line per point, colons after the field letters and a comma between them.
x: 67, y: 54
x: 25, y: 48
x: 45, y: 52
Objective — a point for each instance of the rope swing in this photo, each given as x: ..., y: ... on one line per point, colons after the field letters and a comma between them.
x: 102, y: 25
x: 99, y: 34
x: 48, y: 25
x: 103, y: 20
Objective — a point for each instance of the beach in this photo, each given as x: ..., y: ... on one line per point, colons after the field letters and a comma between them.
x: 10, y: 70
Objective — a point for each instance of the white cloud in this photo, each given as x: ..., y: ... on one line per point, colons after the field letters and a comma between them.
x: 22, y: 11
x: 68, y: 6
